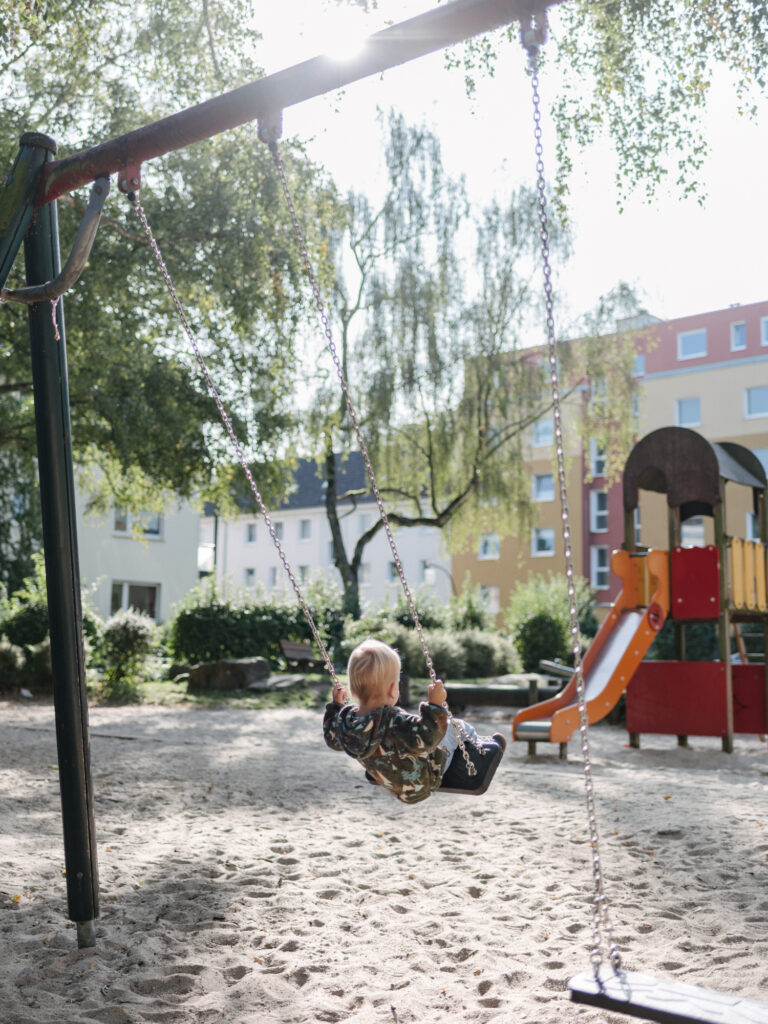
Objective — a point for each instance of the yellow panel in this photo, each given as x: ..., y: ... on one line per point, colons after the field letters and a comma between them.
x: 749, y: 574
x: 737, y: 572
x: 760, y: 553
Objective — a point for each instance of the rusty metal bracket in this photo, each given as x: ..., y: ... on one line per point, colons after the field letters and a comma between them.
x: 81, y: 250
x: 129, y: 178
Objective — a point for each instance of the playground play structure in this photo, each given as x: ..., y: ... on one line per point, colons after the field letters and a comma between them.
x: 28, y: 215
x: 723, y: 584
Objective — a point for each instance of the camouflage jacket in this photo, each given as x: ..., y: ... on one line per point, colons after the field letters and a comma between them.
x: 399, y: 750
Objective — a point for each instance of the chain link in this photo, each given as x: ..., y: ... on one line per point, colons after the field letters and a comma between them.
x: 134, y: 200
x: 602, y: 925
x: 331, y: 346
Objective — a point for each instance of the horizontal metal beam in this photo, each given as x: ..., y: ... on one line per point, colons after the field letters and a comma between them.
x: 451, y: 23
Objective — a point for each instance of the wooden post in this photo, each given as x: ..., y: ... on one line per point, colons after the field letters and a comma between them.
x: 724, y: 623
x: 533, y: 698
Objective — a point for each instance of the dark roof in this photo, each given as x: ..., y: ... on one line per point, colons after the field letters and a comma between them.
x: 308, y: 488
x: 687, y: 468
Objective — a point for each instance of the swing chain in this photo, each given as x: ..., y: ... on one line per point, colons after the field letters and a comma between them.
x: 602, y: 924
x: 321, y: 311
x: 139, y: 209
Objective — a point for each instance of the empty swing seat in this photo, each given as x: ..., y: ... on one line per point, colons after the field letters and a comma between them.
x: 670, y: 1002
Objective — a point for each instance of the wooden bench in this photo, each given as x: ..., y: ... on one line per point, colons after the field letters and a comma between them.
x: 301, y: 655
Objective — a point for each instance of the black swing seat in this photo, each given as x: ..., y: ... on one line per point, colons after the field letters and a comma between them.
x: 457, y: 778
x: 485, y: 757
x: 640, y: 995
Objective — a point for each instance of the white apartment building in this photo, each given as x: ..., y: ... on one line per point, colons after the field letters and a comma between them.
x: 243, y: 553
x: 148, y: 563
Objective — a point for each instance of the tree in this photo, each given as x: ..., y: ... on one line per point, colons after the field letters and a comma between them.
x: 444, y: 377
x: 143, y: 426
x: 640, y: 72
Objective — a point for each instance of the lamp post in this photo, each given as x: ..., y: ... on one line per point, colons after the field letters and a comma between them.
x: 434, y: 565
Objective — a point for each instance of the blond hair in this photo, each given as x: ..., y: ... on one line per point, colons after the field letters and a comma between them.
x: 372, y: 668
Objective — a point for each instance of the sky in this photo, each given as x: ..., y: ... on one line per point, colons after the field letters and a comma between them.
x: 682, y: 258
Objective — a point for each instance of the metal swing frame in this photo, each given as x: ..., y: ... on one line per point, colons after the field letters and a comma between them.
x: 28, y: 216
x: 35, y: 181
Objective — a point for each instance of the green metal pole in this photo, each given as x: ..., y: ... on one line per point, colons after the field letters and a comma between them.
x: 57, y: 494
x: 17, y: 197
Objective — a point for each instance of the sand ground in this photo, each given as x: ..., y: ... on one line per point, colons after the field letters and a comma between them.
x: 249, y: 874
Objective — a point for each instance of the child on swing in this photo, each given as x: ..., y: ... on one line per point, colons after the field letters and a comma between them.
x: 407, y: 754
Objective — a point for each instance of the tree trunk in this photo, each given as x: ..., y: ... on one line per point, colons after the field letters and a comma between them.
x: 351, y: 599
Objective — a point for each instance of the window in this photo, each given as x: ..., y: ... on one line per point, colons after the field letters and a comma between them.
x: 272, y: 577
x: 250, y: 533
x: 738, y: 337
x: 692, y: 344
x: 141, y: 596
x: 543, y: 487
x: 305, y: 529
x: 638, y: 365
x: 598, y: 511
x: 489, y: 546
x: 303, y: 572
x: 762, y: 455
x: 126, y: 523
x: 596, y: 459
x: 688, y: 412
x: 250, y: 577
x: 636, y: 522
x: 764, y: 330
x: 278, y: 528
x: 363, y: 522
x: 598, y: 567
x: 543, y: 541
x: 756, y: 402
x: 753, y: 527
x: 365, y: 573
x: 543, y: 433
x: 153, y: 525
x: 490, y: 596
x: 692, y: 532
x: 331, y: 553
x: 392, y: 573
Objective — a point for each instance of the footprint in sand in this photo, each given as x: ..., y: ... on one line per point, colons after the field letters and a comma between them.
x: 170, y: 985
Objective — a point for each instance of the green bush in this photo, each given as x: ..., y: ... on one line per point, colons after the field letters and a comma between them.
x: 24, y: 615
x: 214, y: 624
x: 10, y: 663
x: 468, y: 610
x: 445, y: 649
x: 127, y: 641
x: 433, y: 614
x: 487, y: 653
x: 541, y: 636
x: 548, y: 595
x: 701, y: 643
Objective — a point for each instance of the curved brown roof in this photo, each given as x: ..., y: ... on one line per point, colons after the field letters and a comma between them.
x: 687, y: 468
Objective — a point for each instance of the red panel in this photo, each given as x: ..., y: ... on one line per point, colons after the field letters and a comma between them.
x: 695, y: 583
x: 749, y: 699
x: 687, y: 698
x: 679, y: 698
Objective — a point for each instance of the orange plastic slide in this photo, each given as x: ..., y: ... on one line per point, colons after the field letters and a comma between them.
x: 613, y: 656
